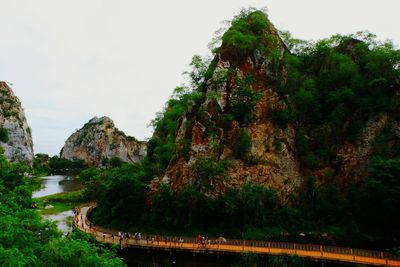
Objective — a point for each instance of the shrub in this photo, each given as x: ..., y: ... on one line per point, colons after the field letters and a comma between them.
x: 208, y: 170
x: 282, y: 117
x: 3, y: 135
x: 244, y: 100
x: 243, y: 145
x: 246, y: 33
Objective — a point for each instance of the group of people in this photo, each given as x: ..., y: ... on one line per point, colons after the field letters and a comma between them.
x: 155, y: 239
x: 121, y: 236
x: 78, y: 216
x: 203, y: 240
x: 126, y: 235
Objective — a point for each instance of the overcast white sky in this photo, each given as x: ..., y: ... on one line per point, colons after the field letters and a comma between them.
x: 70, y: 60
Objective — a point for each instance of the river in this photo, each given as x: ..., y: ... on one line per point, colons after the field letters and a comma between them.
x: 54, y: 184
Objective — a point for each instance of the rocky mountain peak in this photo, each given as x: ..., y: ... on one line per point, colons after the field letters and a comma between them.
x: 265, y: 116
x: 15, y: 134
x: 99, y: 140
x: 102, y: 120
x: 230, y: 135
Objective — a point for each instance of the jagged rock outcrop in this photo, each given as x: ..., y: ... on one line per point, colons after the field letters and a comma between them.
x: 99, y: 140
x: 15, y: 134
x: 213, y: 134
x: 268, y: 117
x: 354, y: 157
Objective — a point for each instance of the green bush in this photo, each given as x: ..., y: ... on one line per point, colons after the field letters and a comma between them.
x: 26, y: 239
x: 208, y: 170
x: 334, y: 88
x: 59, y: 165
x: 246, y: 33
x: 242, y: 145
x: 3, y: 135
x: 244, y: 100
x: 161, y: 146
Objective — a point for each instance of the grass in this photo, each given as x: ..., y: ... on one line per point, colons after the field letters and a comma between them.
x: 61, y: 202
x: 74, y: 198
x: 57, y: 208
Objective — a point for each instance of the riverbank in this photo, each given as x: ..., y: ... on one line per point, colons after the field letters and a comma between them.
x: 55, y: 198
x: 59, y: 208
x: 60, y: 202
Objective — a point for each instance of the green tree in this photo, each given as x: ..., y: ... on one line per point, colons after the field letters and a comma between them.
x: 244, y: 100
x: 208, y: 170
x: 243, y: 145
x: 26, y: 239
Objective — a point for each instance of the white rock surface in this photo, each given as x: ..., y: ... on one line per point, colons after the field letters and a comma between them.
x: 19, y: 146
x: 99, y: 140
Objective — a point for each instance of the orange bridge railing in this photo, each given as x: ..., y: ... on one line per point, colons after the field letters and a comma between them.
x: 351, y: 255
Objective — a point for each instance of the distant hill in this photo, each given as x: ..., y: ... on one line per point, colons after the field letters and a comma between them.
x: 99, y: 140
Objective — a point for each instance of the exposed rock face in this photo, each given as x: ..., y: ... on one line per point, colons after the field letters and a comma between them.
x: 355, y: 157
x: 213, y: 131
x: 99, y: 140
x: 16, y: 135
x: 271, y: 160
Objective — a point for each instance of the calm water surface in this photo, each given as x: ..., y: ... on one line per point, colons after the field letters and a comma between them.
x: 57, y: 184
x: 54, y: 184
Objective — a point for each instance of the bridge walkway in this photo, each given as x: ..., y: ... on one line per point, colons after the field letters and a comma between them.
x: 351, y: 255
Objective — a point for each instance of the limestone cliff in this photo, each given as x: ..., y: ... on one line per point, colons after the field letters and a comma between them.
x: 266, y: 116
x: 99, y: 140
x: 216, y: 127
x: 15, y: 134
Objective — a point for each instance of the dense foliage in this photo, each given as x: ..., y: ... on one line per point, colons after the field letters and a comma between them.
x: 244, y: 100
x: 207, y: 171
x: 44, y: 164
x: 335, y: 88
x: 119, y: 191
x: 249, y: 32
x: 243, y: 145
x: 332, y: 90
x: 26, y: 239
x: 162, y: 145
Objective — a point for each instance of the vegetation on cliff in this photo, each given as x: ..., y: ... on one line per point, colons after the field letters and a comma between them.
x: 334, y: 88
x: 15, y: 134
x: 334, y: 94
x: 3, y: 135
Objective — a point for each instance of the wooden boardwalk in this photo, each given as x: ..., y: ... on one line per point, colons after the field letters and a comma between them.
x: 375, y: 258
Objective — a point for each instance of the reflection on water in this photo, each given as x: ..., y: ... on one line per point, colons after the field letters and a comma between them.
x: 63, y: 220
x: 57, y: 184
